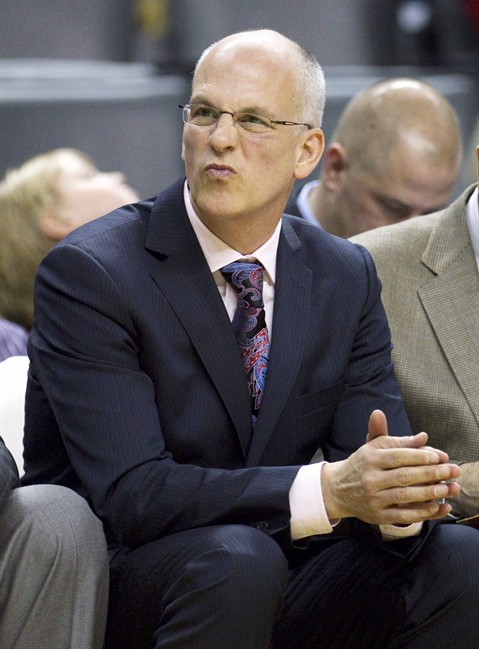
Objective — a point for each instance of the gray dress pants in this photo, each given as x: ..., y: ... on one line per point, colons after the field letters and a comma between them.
x: 53, y: 571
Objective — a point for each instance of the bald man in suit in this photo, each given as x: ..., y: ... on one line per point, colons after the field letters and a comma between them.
x: 220, y: 529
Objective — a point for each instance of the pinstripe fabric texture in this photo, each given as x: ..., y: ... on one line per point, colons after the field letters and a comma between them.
x: 431, y: 295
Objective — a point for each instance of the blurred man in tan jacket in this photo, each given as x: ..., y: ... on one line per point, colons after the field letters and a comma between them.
x: 429, y: 270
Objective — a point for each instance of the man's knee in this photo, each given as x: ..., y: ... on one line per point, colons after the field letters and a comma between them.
x: 243, y: 574
x: 236, y: 558
x: 211, y: 579
x: 253, y: 558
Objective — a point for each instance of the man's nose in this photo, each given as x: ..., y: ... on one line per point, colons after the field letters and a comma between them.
x: 224, y: 134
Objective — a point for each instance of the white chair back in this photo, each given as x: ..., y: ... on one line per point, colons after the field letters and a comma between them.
x: 13, y: 383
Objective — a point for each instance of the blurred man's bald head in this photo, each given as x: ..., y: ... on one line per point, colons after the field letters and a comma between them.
x: 394, y: 112
x: 395, y: 153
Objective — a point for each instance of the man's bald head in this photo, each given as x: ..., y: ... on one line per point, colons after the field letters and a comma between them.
x: 308, y: 91
x: 395, y: 153
x: 397, y: 112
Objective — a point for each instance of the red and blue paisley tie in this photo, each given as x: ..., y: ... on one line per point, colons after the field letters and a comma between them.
x: 249, y: 325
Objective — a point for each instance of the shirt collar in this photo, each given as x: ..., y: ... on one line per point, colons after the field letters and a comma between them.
x: 219, y: 254
x: 304, y: 204
x: 473, y: 222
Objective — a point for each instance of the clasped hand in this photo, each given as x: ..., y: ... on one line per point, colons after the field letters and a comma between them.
x: 390, y: 480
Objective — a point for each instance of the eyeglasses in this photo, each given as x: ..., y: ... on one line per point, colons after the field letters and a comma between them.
x: 205, y: 116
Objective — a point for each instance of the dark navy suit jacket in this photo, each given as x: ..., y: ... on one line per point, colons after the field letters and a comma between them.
x: 137, y: 396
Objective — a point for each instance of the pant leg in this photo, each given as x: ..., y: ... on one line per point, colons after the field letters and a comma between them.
x: 350, y: 596
x: 217, y: 587
x: 442, y: 599
x: 53, y: 571
x: 331, y: 601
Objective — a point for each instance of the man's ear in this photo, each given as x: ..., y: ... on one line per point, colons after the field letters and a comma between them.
x: 334, y: 164
x: 311, y: 150
x: 53, y: 224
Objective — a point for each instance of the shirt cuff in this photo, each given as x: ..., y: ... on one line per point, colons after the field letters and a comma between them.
x: 308, y: 513
x: 393, y: 532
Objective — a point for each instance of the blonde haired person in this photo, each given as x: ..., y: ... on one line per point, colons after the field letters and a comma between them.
x: 42, y: 201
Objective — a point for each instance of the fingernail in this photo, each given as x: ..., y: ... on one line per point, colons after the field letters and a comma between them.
x: 443, y: 472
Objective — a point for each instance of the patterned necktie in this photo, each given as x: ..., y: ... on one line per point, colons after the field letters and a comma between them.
x: 249, y: 325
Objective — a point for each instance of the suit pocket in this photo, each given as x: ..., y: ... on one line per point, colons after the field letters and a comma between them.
x: 308, y: 405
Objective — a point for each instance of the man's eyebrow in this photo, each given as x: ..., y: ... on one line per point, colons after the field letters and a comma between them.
x: 200, y: 99
x: 391, y: 201
x: 258, y: 110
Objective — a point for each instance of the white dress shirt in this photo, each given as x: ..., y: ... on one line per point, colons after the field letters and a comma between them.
x: 472, y: 216
x: 308, y: 513
x: 304, y: 204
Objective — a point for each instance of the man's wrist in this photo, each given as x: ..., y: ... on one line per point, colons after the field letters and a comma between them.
x: 328, y: 482
x: 308, y: 515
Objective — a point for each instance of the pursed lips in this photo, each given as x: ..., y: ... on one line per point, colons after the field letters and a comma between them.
x: 219, y: 171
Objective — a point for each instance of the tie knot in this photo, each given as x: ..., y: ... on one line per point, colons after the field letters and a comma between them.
x: 247, y: 280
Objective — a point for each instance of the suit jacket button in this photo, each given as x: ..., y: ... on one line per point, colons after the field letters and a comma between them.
x: 262, y: 526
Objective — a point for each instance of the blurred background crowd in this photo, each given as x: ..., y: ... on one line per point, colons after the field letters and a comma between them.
x: 107, y: 77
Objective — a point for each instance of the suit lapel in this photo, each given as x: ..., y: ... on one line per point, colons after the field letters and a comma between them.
x: 292, y: 297
x: 182, y: 270
x: 450, y: 257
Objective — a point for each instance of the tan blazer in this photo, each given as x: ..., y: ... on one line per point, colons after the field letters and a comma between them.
x: 431, y: 296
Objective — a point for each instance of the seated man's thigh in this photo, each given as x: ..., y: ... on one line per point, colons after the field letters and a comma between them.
x: 197, y: 586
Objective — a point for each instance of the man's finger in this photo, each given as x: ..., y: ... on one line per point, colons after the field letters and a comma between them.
x: 377, y: 426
